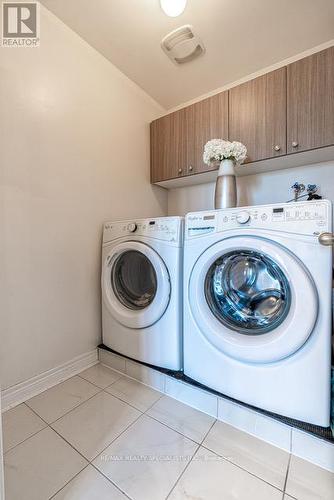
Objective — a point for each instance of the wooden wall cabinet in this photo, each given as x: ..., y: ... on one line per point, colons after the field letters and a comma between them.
x: 310, y: 90
x: 285, y: 111
x: 257, y: 115
x: 168, y: 146
x: 208, y: 120
x: 178, y: 139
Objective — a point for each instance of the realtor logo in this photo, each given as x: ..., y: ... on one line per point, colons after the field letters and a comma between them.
x: 20, y: 24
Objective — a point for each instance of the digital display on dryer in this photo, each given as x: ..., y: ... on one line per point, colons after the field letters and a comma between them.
x: 278, y: 210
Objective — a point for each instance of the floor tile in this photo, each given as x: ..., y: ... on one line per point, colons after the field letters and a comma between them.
x: 135, y: 393
x: 100, y: 375
x: 113, y: 360
x: 210, y: 477
x: 193, y: 396
x: 55, y: 402
x: 89, y: 485
x: 311, y: 448
x: 306, y: 481
x: 146, y: 375
x: 146, y: 461
x: 258, y: 457
x: 182, y: 418
x: 95, y: 424
x: 18, y: 424
x: 255, y: 423
x: 39, y: 467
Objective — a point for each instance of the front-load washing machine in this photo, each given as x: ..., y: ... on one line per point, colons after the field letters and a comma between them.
x: 257, y: 306
x: 142, y: 290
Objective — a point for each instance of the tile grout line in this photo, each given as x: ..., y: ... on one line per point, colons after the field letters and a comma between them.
x: 122, y: 401
x: 63, y: 439
x: 32, y: 435
x: 90, y: 462
x: 287, y: 474
x: 190, y: 461
x: 24, y: 440
x: 145, y: 412
x: 71, y: 445
x: 130, y: 404
x: 184, y: 470
x: 111, y: 442
x: 72, y: 409
x: 239, y: 467
x: 148, y: 416
x: 68, y: 482
x: 163, y: 391
x: 130, y: 425
x: 94, y: 383
x: 186, y: 384
x: 169, y: 427
x: 206, y: 435
x: 82, y: 402
x: 47, y: 424
x: 110, y: 481
x: 126, y: 375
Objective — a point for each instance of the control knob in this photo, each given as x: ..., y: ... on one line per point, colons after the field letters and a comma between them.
x: 243, y: 217
x: 132, y: 227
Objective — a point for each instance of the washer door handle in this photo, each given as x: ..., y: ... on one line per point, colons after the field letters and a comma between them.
x: 326, y: 239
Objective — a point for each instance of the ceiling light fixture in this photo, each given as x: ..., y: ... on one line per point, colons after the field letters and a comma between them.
x: 173, y: 8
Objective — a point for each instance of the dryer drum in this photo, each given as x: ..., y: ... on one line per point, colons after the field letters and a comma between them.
x: 134, y: 280
x: 248, y: 292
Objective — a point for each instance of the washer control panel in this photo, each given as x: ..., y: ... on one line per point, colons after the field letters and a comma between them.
x: 164, y: 228
x: 302, y: 218
x: 201, y: 223
x: 297, y: 212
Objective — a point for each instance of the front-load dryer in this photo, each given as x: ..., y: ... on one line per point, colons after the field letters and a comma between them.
x: 257, y: 306
x: 142, y: 290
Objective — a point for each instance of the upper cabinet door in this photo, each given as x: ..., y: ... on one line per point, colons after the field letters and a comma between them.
x: 207, y: 119
x: 311, y: 102
x: 169, y: 146
x: 257, y: 115
x: 178, y: 139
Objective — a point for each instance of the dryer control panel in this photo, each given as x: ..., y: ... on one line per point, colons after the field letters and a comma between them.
x: 311, y: 217
x: 163, y: 228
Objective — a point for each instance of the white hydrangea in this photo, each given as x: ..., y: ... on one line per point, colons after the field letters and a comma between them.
x: 218, y: 150
x: 239, y: 151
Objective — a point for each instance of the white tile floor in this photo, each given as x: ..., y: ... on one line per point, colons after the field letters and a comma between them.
x: 103, y: 436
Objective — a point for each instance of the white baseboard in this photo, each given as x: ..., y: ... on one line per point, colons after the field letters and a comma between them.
x: 19, y: 393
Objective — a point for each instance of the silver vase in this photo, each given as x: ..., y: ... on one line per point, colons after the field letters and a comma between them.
x: 226, y: 186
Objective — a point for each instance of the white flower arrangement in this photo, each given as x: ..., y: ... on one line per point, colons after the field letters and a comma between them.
x: 219, y: 150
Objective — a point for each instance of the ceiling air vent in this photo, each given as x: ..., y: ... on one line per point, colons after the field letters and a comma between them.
x: 182, y: 45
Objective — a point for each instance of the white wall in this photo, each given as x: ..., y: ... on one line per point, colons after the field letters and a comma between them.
x: 74, y: 151
x: 270, y: 187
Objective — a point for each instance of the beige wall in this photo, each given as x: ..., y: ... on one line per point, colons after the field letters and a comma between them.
x: 270, y: 187
x: 74, y: 151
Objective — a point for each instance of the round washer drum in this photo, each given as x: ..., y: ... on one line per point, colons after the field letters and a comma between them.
x: 135, y: 284
x: 247, y: 292
x: 248, y: 297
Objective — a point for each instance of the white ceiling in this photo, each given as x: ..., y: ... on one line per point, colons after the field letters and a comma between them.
x: 240, y: 36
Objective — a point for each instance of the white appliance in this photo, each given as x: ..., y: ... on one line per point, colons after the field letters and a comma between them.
x: 257, y: 306
x: 142, y: 289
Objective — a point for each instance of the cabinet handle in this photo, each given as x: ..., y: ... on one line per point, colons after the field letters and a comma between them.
x: 277, y: 148
x: 191, y: 168
x: 180, y: 170
x: 294, y: 144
